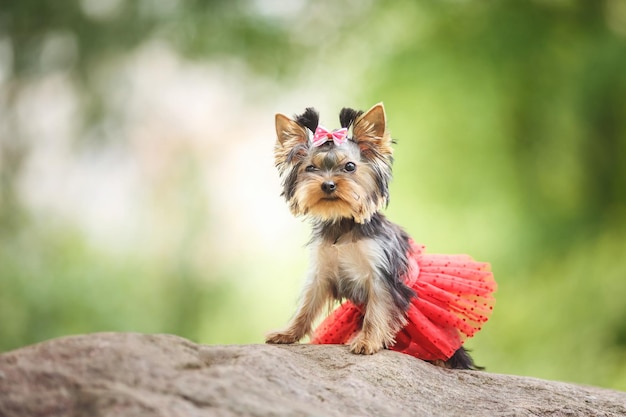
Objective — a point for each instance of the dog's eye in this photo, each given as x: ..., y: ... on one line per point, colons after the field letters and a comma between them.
x: 310, y: 168
x: 350, y: 167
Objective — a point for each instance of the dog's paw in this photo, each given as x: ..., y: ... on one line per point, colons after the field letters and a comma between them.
x: 363, y: 346
x: 281, y: 338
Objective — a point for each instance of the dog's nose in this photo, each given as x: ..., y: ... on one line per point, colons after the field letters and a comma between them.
x: 328, y: 187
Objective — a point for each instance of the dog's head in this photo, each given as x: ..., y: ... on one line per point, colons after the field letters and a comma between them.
x: 331, y: 175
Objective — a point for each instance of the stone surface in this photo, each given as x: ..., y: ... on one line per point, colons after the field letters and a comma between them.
x: 128, y: 374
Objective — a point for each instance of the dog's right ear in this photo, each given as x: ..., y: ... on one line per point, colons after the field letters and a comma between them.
x: 289, y: 132
x: 292, y: 142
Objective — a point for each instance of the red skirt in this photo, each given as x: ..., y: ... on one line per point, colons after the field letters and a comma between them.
x: 454, y: 299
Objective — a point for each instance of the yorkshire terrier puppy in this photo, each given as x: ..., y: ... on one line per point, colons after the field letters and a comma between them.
x: 341, y: 182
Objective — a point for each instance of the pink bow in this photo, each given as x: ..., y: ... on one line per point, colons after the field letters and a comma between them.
x: 322, y: 135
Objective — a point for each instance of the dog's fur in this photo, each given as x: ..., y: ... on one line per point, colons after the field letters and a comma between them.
x: 356, y: 253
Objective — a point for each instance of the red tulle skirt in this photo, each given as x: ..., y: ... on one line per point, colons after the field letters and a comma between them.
x: 454, y: 299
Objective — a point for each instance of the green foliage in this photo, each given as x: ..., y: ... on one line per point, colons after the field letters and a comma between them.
x: 54, y: 283
x: 510, y: 116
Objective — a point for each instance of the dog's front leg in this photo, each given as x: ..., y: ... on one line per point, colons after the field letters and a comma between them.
x: 315, y: 295
x: 380, y: 323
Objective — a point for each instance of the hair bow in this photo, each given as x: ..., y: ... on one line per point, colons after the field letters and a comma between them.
x: 322, y: 135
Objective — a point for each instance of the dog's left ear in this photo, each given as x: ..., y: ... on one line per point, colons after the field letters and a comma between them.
x: 370, y: 132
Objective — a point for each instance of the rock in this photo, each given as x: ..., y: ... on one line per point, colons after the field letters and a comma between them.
x: 128, y: 374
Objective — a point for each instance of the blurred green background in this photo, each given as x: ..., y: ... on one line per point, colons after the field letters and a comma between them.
x: 137, y: 191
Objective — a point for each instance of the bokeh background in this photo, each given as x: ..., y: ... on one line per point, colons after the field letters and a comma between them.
x: 138, y: 193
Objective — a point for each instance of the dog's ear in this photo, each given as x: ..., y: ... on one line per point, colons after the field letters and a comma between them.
x: 289, y: 132
x: 370, y: 132
x: 292, y: 142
